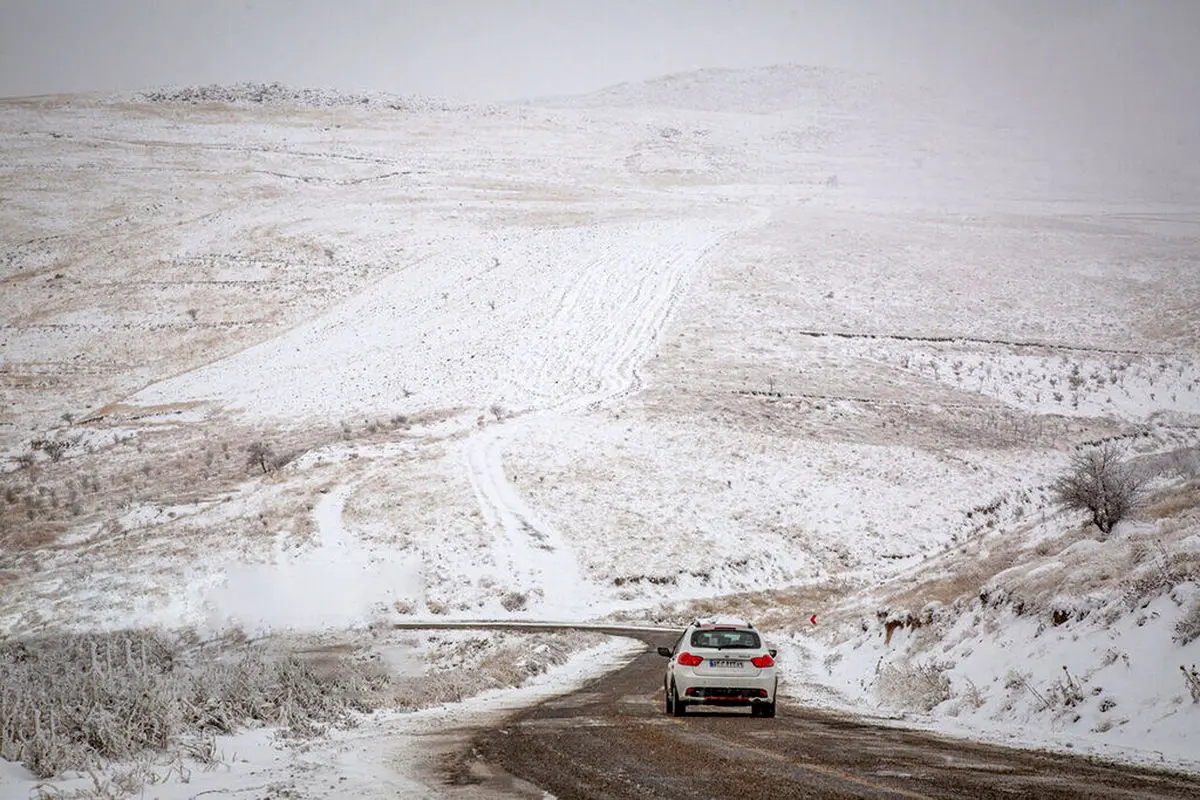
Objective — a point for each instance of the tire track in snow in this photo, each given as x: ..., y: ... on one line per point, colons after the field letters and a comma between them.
x: 534, y: 555
x: 530, y: 552
x: 592, y: 282
x: 620, y: 376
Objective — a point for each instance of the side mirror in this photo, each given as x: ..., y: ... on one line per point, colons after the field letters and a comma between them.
x: 772, y: 652
x: 665, y: 652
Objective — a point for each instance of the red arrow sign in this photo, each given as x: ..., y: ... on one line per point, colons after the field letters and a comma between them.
x: 813, y: 619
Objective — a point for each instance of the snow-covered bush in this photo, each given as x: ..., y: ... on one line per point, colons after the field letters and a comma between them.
x: 914, y: 686
x: 1187, y: 628
x: 514, y: 601
x: 1066, y: 692
x: 1185, y: 462
x: 67, y: 700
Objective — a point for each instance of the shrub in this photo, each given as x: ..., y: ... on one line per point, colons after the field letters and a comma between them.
x: 66, y: 700
x: 1187, y: 628
x: 1185, y: 461
x: 1101, y: 483
x: 260, y: 454
x: 1066, y: 692
x: 513, y: 601
x: 55, y: 449
x: 919, y: 686
x: 1192, y: 678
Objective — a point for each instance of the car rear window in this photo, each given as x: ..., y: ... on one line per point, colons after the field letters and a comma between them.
x: 739, y: 639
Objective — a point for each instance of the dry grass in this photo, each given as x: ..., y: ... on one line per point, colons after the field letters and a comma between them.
x: 1174, y: 502
x: 70, y: 701
x: 779, y: 611
x: 116, y: 497
x: 110, y: 471
x: 1061, y: 578
x: 947, y: 586
x: 919, y: 687
x: 463, y: 665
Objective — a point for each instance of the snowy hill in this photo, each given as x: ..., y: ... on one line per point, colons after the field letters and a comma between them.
x: 764, y: 90
x: 783, y: 341
x: 280, y: 96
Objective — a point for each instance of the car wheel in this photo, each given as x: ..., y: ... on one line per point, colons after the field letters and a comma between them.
x: 766, y: 709
x: 678, y: 707
x: 669, y: 704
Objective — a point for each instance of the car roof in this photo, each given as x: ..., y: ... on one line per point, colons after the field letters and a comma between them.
x: 722, y: 622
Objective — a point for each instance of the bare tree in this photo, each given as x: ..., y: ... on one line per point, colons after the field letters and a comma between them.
x: 1100, y: 482
x: 260, y: 454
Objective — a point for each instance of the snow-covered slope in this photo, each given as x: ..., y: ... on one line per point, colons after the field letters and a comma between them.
x: 315, y: 364
x: 764, y: 90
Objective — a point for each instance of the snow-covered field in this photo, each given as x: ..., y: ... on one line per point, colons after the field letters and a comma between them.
x: 788, y: 341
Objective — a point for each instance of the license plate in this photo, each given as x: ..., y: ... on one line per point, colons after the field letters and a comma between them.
x: 724, y: 663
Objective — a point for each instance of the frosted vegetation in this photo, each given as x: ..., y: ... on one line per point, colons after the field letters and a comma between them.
x: 782, y: 342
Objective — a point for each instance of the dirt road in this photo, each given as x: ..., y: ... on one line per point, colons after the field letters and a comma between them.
x: 612, y: 740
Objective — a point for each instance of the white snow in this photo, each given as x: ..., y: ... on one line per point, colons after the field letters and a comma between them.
x: 648, y: 352
x: 386, y: 755
x: 330, y: 585
x: 1112, y: 690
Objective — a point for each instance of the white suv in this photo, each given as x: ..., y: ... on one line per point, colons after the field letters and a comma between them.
x: 720, y: 662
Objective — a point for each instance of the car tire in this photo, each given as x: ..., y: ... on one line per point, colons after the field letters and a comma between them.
x: 678, y: 707
x: 669, y: 703
x: 766, y: 709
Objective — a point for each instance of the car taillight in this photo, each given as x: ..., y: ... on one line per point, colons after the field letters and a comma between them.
x: 689, y: 660
x: 763, y: 661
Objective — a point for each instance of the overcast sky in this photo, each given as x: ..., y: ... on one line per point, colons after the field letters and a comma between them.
x: 509, y: 49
